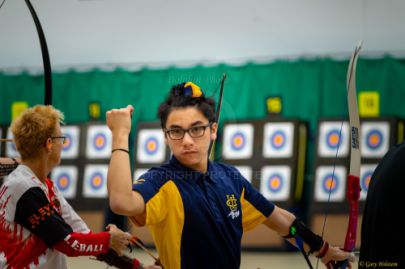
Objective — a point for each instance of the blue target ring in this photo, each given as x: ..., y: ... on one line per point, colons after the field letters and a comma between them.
x: 151, y: 145
x: 96, y: 181
x: 332, y: 139
x: 374, y: 139
x: 68, y: 142
x: 365, y: 180
x: 275, y: 182
x: 238, y: 141
x: 99, y: 141
x: 278, y: 140
x: 330, y: 183
x: 63, y: 181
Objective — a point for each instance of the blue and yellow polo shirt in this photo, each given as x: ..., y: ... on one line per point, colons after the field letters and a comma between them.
x: 197, y: 220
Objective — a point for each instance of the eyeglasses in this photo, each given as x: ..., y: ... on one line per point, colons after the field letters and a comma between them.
x: 194, y: 132
x: 59, y: 137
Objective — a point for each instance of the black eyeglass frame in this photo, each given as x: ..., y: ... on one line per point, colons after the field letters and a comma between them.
x: 167, y: 131
x: 59, y: 137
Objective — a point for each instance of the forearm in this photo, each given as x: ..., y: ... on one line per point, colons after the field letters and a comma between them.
x: 293, y: 230
x: 79, y: 244
x: 282, y: 221
x: 119, y: 179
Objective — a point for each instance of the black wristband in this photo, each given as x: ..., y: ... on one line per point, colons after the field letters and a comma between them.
x: 120, y: 149
x: 298, y: 229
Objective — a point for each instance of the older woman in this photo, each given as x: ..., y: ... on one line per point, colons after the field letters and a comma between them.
x: 37, y: 225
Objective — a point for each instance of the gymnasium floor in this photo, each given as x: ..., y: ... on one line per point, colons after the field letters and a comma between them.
x: 250, y: 260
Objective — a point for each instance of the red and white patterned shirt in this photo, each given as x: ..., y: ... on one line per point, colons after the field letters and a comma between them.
x: 36, y: 220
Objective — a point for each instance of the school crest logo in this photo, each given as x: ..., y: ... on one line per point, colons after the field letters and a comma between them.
x: 231, y: 202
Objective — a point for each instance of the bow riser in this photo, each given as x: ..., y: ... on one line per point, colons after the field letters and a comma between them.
x: 353, y: 178
x: 353, y: 195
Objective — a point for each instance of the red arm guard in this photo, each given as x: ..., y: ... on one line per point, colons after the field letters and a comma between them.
x: 79, y: 244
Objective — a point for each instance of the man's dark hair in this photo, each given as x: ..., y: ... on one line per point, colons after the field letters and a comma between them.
x: 179, y: 98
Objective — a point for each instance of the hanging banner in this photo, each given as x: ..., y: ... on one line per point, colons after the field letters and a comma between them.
x: 17, y: 108
x: 369, y: 104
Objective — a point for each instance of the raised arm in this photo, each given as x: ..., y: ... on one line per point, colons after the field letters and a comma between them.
x: 122, y: 199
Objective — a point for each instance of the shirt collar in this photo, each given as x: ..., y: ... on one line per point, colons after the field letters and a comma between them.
x: 189, y: 174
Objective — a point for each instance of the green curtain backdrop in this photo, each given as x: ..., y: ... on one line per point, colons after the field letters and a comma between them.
x: 309, y: 89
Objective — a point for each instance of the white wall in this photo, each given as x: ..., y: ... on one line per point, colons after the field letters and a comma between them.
x: 158, y: 32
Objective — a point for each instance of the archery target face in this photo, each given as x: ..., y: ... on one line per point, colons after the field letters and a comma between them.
x: 374, y: 139
x: 275, y: 182
x: 151, y: 147
x: 246, y: 172
x: 366, y: 171
x: 71, y: 147
x: 278, y: 140
x: 65, y: 178
x: 139, y: 172
x: 238, y: 141
x: 328, y: 142
x: 327, y: 181
x: 95, y: 181
x: 11, y: 149
x: 98, y: 142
